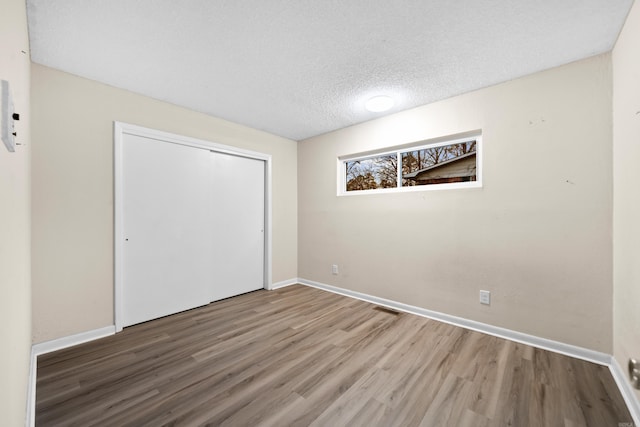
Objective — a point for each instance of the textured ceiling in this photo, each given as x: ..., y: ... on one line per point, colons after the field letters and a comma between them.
x: 299, y: 68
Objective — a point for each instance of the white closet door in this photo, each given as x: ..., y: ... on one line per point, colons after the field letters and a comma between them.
x: 167, y: 228
x: 238, y: 211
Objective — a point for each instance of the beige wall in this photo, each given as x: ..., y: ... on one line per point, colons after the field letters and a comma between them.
x: 538, y: 235
x: 626, y: 203
x: 15, y: 283
x: 73, y: 193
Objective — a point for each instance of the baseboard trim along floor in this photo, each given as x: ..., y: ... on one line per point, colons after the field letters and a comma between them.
x: 53, y: 345
x: 628, y: 393
x: 71, y: 340
x: 534, y: 341
x: 284, y: 283
x: 555, y: 346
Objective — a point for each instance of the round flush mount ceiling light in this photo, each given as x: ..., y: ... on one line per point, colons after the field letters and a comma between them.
x: 378, y: 104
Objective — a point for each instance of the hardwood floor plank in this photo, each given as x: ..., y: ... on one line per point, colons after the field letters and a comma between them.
x: 300, y: 356
x: 486, y: 389
x: 472, y: 419
x: 447, y: 406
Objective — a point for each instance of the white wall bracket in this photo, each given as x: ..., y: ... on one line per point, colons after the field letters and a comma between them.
x: 7, y: 117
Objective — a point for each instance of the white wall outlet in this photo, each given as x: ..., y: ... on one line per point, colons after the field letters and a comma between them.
x: 485, y: 297
x: 334, y: 269
x: 7, y: 132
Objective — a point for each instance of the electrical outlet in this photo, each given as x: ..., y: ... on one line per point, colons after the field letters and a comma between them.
x: 485, y: 297
x: 334, y: 269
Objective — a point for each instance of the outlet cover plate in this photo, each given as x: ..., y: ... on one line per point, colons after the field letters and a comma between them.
x: 485, y: 297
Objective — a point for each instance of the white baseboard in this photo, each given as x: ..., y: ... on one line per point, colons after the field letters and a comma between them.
x: 555, y: 346
x: 71, y: 340
x: 284, y: 283
x: 628, y: 393
x: 617, y: 372
x: 534, y: 341
x: 31, y: 391
x: 48, y: 347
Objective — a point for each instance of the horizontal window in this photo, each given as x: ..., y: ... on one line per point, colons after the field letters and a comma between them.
x: 448, y: 163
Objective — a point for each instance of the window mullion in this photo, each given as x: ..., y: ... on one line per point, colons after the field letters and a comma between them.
x: 399, y: 177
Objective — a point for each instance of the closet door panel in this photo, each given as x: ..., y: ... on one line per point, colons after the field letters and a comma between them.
x: 168, y: 230
x: 238, y: 185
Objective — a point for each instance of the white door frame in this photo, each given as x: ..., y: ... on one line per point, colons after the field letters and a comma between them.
x: 119, y: 130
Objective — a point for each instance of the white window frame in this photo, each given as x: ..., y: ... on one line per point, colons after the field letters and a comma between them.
x: 415, y: 146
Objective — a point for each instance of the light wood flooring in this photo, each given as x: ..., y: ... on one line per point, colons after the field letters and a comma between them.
x: 300, y: 356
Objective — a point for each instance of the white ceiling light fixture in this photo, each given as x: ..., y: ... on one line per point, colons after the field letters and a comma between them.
x: 378, y: 104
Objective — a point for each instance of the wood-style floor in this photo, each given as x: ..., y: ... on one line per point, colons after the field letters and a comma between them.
x: 300, y: 356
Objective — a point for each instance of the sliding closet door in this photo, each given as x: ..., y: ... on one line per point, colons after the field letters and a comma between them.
x: 238, y: 185
x: 167, y: 228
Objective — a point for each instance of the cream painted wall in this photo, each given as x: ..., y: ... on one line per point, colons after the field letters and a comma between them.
x: 15, y: 282
x: 73, y: 193
x: 538, y: 235
x: 626, y: 203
